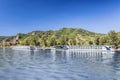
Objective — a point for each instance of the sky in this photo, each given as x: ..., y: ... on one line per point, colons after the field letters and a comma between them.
x: 23, y: 16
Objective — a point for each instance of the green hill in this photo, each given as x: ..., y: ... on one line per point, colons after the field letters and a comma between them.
x: 64, y: 36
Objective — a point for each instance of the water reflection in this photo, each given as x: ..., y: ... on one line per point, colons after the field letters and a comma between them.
x: 58, y: 65
x: 74, y: 55
x: 93, y: 63
x: 115, y: 63
x: 32, y: 55
x: 116, y: 60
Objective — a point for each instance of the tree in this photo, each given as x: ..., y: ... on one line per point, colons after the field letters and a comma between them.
x: 96, y: 41
x: 63, y: 40
x: 43, y: 41
x: 104, y: 40
x: 90, y: 42
x: 51, y: 40
x: 113, y: 38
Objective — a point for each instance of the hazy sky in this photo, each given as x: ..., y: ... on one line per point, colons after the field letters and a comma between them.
x: 29, y: 15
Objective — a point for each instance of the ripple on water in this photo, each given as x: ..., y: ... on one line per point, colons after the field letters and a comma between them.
x: 47, y: 65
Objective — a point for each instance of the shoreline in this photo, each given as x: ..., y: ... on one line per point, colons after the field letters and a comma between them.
x: 118, y: 50
x: 43, y: 48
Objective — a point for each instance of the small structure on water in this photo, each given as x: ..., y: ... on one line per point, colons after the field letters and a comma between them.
x: 25, y: 48
x: 63, y: 47
x: 85, y: 48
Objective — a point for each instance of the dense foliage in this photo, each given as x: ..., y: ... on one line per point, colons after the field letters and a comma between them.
x: 67, y: 36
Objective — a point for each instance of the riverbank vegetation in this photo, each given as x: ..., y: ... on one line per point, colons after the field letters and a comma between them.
x: 64, y: 36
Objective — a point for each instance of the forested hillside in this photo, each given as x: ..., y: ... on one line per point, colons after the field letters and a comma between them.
x: 64, y: 36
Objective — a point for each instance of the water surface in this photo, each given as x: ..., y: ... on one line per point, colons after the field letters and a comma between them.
x: 58, y: 65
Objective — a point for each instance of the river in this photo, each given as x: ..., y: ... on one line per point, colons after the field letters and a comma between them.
x: 58, y: 65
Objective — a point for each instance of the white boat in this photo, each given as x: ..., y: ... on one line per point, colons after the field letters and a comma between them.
x: 62, y: 47
x: 23, y: 48
x: 84, y: 48
x: 108, y: 48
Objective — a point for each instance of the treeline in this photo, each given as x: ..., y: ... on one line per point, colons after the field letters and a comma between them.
x: 67, y: 36
x: 112, y: 38
x: 64, y: 36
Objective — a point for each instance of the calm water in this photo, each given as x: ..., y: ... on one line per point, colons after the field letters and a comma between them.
x: 58, y: 65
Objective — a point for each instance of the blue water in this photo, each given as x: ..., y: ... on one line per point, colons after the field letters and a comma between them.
x: 58, y: 65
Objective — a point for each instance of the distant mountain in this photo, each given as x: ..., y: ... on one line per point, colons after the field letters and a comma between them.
x: 74, y: 31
